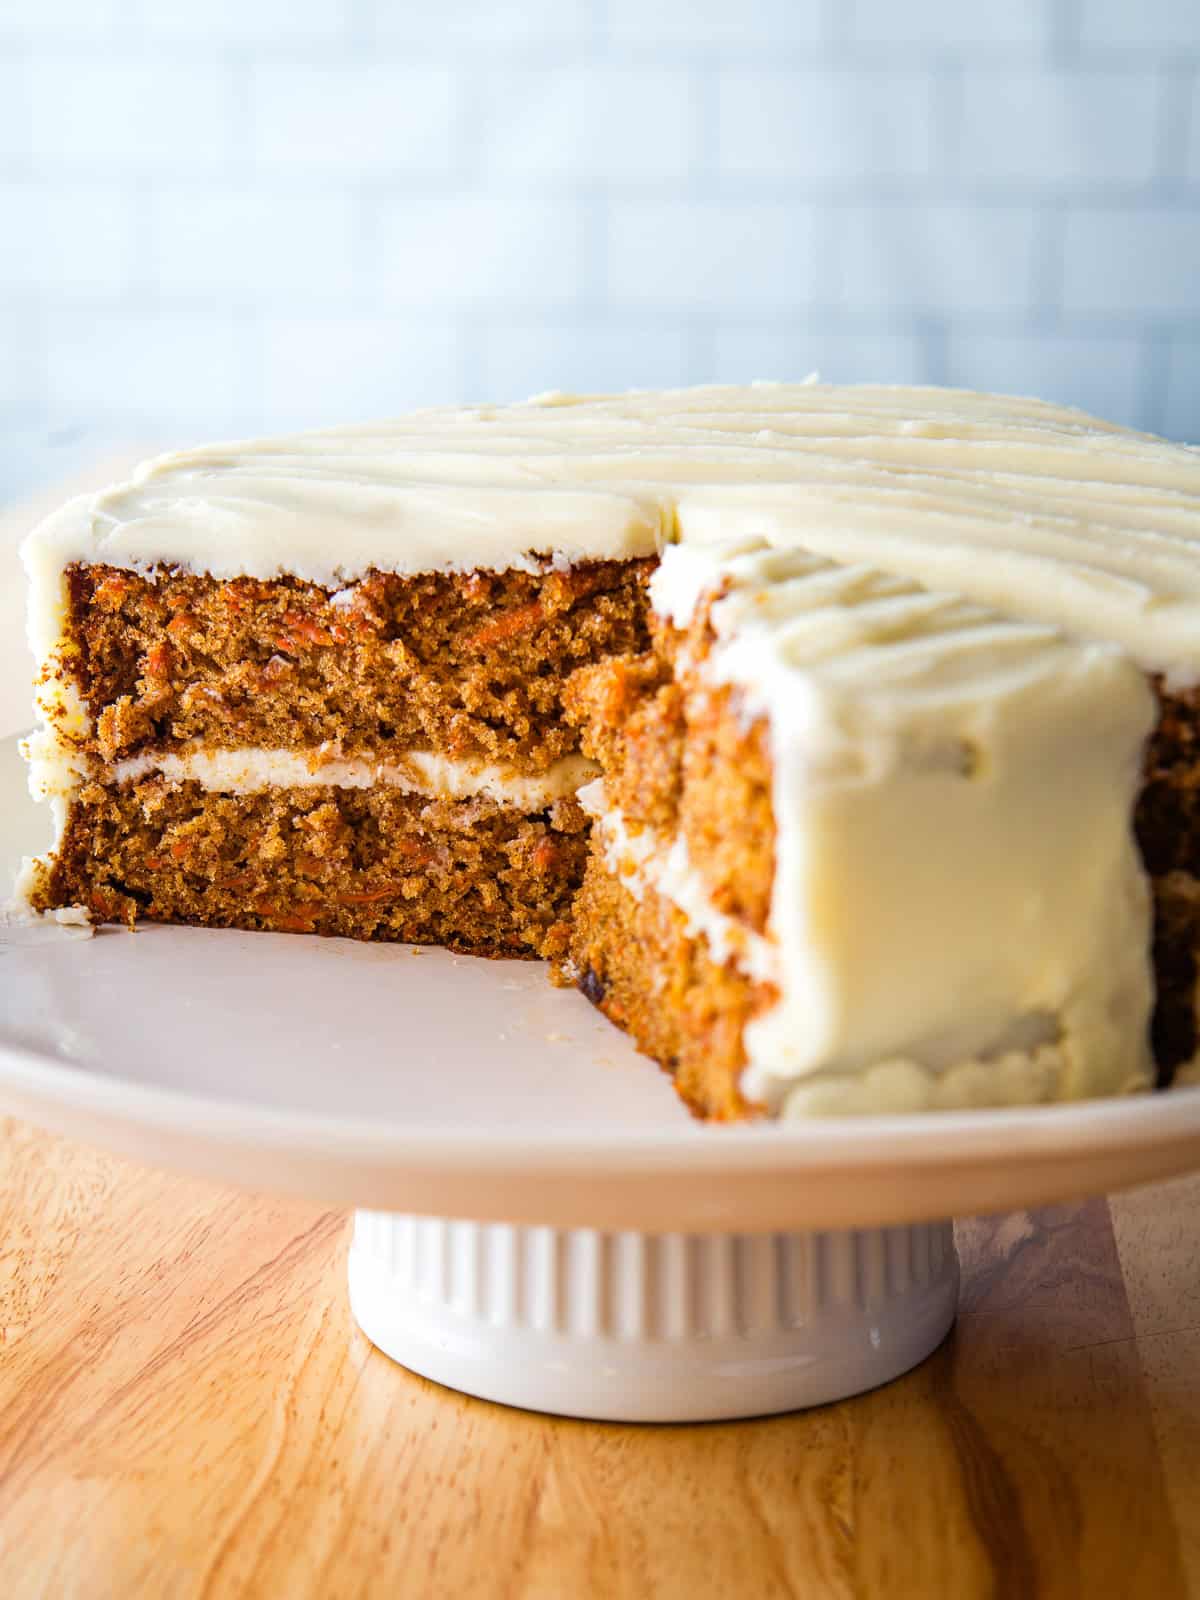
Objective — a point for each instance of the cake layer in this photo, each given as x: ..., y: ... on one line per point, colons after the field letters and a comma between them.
x: 468, y: 666
x: 658, y: 975
x: 682, y: 758
x: 367, y: 864
x: 632, y: 956
x: 1168, y: 831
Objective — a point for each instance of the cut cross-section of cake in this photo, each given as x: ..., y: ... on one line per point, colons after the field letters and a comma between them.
x: 386, y: 760
x: 809, y: 730
x: 859, y: 846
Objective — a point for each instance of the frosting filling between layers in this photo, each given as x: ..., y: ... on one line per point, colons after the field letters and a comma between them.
x: 643, y: 859
x: 251, y: 770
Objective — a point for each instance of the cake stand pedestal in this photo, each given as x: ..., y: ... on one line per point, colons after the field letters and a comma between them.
x: 640, y: 1327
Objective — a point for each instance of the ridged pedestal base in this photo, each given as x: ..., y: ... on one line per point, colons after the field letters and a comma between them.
x: 652, y: 1328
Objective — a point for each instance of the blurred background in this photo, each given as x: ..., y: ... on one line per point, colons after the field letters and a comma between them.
x: 231, y: 216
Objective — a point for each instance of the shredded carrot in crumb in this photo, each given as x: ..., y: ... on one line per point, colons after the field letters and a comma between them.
x: 155, y: 863
x: 282, y: 919
x: 368, y: 897
x: 303, y: 630
x: 111, y: 592
x: 506, y: 626
x: 158, y: 661
x: 545, y: 853
x: 182, y: 622
x: 180, y: 849
x: 418, y: 853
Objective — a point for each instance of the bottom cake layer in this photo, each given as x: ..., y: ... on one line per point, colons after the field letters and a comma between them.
x: 632, y: 956
x: 376, y: 863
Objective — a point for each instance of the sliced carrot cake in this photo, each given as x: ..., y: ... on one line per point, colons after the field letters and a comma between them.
x: 840, y: 743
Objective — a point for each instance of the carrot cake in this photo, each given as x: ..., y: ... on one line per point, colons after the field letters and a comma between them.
x: 840, y: 743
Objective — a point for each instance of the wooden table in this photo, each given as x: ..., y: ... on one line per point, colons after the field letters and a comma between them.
x: 186, y: 1410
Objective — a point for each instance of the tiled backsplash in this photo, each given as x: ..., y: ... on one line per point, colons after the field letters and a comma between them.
x: 230, y: 215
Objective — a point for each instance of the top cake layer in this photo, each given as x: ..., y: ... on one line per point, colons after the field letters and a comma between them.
x: 1032, y: 508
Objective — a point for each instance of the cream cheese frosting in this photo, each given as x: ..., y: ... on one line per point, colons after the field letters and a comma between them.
x: 251, y: 769
x: 1032, y: 508
x: 953, y: 790
x: 954, y: 855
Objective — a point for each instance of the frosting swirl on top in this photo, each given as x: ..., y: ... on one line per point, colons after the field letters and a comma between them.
x: 1032, y: 508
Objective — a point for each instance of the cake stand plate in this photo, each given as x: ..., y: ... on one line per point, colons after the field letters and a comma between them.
x: 538, y: 1221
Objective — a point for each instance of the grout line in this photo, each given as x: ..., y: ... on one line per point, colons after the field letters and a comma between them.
x: 700, y: 350
x: 1152, y: 384
x: 1174, y: 115
x: 947, y: 92
x: 1049, y: 260
x: 704, y: 166
x: 934, y: 338
x: 1065, y: 25
x: 594, y: 220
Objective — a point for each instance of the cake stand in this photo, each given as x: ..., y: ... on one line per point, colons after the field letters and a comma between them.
x: 537, y: 1220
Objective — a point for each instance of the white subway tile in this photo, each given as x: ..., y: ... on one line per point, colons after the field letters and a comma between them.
x: 744, y: 354
x: 589, y: 122
x: 1095, y: 125
x: 264, y: 242
x: 1181, y: 407
x: 354, y: 118
x: 1132, y: 262
x: 42, y: 19
x: 769, y: 23
x: 318, y: 371
x: 702, y: 257
x: 827, y: 122
x: 480, y: 248
x: 19, y: 396
x: 498, y: 23
x: 162, y: 371
x: 1099, y: 374
x: 951, y: 22
x: 1146, y: 23
x: 68, y: 238
x: 522, y: 359
x: 234, y: 22
x: 138, y: 115
x: 14, y: 110
x: 36, y: 454
x: 934, y: 258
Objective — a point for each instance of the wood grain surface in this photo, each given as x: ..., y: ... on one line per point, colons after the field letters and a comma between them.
x: 186, y: 1410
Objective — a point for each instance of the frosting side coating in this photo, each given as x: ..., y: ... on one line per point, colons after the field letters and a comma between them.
x: 955, y: 867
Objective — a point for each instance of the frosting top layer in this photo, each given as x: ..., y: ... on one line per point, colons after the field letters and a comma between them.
x: 1029, y: 507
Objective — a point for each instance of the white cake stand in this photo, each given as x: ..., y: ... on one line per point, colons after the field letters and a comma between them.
x: 538, y: 1221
